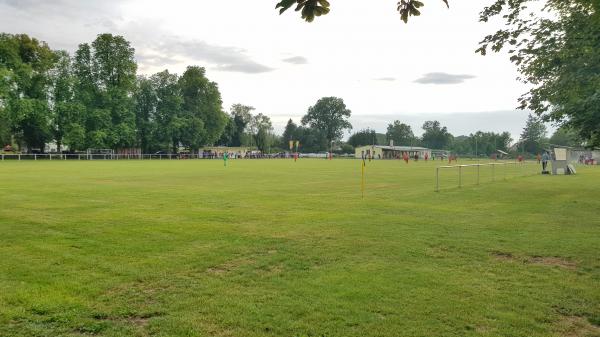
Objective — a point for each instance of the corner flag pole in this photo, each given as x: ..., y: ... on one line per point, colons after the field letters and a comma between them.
x: 362, y: 177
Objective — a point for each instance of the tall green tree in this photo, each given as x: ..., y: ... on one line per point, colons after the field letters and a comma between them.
x: 169, y: 101
x: 311, y: 140
x: 5, y: 88
x: 114, y: 69
x: 288, y: 134
x: 203, y: 119
x: 557, y: 53
x: 330, y: 116
x: 146, y: 101
x: 400, y: 133
x: 364, y: 137
x: 533, y: 138
x: 105, y: 84
x: 67, y: 115
x: 262, y: 130
x: 565, y: 136
x: 240, y: 115
x: 481, y: 143
x: 26, y: 64
x: 435, y: 136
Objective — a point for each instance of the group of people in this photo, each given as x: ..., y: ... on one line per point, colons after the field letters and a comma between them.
x: 587, y: 160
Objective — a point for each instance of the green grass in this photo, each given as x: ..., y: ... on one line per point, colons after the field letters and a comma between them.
x: 277, y: 248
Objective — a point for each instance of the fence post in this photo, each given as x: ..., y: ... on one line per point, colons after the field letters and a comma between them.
x: 19, y: 156
x: 50, y: 156
x: 459, y: 176
x: 35, y: 156
x: 437, y: 179
x: 478, y: 166
x: 493, y: 172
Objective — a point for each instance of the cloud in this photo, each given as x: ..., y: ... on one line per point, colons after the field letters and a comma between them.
x: 296, y: 60
x: 443, y: 78
x: 155, y: 60
x: 223, y: 58
x: 387, y: 79
x: 154, y: 47
x: 73, y: 9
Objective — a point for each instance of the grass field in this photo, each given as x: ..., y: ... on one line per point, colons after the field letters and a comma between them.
x: 277, y: 248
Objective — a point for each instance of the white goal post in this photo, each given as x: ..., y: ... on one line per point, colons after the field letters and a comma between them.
x: 491, y: 171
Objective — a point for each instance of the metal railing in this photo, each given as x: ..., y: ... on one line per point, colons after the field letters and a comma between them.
x: 92, y: 156
x: 474, y: 174
x: 114, y: 156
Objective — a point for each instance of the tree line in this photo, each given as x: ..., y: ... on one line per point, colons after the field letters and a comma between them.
x: 533, y: 139
x: 95, y: 99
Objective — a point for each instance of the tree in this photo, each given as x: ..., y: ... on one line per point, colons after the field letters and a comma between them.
x: 168, y: 107
x: 400, y: 133
x: 105, y: 84
x: 66, y: 112
x: 289, y: 134
x: 262, y: 128
x: 565, y: 136
x: 435, y: 136
x: 481, y: 143
x: 330, y: 116
x: 202, y: 109
x: 558, y: 54
x: 311, y: 140
x: 364, y: 137
x: 114, y: 69
x: 533, y: 136
x: 5, y: 89
x: 146, y: 101
x: 241, y: 116
x: 311, y: 8
x: 26, y: 64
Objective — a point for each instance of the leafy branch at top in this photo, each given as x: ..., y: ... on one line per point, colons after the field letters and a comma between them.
x: 312, y: 8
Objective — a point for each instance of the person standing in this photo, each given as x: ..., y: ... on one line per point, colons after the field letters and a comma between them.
x: 545, y: 158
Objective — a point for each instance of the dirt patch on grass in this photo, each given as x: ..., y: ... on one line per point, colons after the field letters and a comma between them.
x: 139, y: 320
x: 553, y: 261
x: 503, y: 256
x: 574, y: 326
x: 229, y: 266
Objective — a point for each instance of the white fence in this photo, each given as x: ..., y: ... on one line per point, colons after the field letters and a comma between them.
x: 475, y: 174
x: 156, y: 156
x: 97, y: 156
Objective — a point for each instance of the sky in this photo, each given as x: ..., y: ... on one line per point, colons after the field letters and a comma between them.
x: 384, y: 70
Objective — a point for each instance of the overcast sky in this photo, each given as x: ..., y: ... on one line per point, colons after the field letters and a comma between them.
x: 382, y: 68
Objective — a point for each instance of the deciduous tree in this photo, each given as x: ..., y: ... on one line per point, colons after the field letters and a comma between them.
x: 330, y: 116
x: 435, y: 136
x: 400, y: 133
x: 557, y: 53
